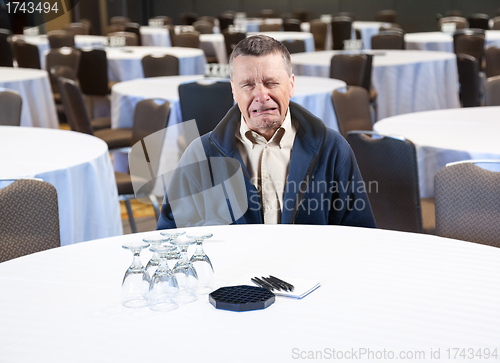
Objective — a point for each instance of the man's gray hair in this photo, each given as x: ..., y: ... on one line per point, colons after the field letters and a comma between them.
x: 258, y: 45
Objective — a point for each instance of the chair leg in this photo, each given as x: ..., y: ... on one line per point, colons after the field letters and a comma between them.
x: 154, y: 202
x: 130, y: 216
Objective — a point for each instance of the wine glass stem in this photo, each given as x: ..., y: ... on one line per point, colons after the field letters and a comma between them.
x: 199, y: 247
x: 136, y: 262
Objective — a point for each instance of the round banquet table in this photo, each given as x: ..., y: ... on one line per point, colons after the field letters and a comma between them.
x: 251, y: 25
x: 406, y: 81
x: 281, y: 36
x: 310, y: 92
x: 405, y: 294
x: 125, y: 64
x: 442, y: 41
x: 446, y: 136
x: 78, y: 166
x: 33, y: 85
x: 368, y: 29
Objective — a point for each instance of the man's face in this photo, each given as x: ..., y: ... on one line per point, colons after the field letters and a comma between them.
x: 262, y: 89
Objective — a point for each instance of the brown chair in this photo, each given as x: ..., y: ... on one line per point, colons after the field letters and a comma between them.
x: 391, y: 27
x: 390, y: 173
x: 471, y: 42
x: 27, y: 55
x: 134, y: 29
x: 492, y: 57
x: 352, y: 109
x: 188, y: 18
x: 292, y: 25
x: 349, y: 68
x: 319, y: 31
x: 93, y: 73
x: 6, y: 55
x: 29, y: 220
x: 187, y: 40
x: 159, y: 66
x: 114, y: 28
x: 341, y: 31
x: 11, y: 104
x: 68, y: 57
x: 479, y: 21
x: 203, y: 27
x: 121, y: 20
x: 468, y: 77
x: 460, y: 23
x: 295, y: 46
x: 210, y: 19
x: 60, y: 38
x: 386, y: 16
x: 77, y: 28
x: 231, y: 39
x: 267, y: 14
x: 78, y: 119
x: 150, y: 117
x: 129, y: 39
x: 225, y: 20
x: 388, y: 40
x: 468, y: 202
x: 492, y: 91
x: 301, y: 14
x: 269, y: 27
x: 496, y: 23
x: 88, y: 24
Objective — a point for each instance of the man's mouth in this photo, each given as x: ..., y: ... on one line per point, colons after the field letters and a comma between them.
x: 264, y: 110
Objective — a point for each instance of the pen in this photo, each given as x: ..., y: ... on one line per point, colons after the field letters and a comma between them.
x: 277, y: 285
x: 261, y: 283
x: 290, y: 286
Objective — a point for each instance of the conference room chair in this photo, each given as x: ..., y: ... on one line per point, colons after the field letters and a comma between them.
x: 134, y: 29
x: 492, y: 61
x: 165, y: 19
x: 113, y: 28
x: 468, y: 77
x: 390, y: 173
x: 292, y: 25
x: 6, y: 55
x: 188, y: 18
x: 460, y: 22
x: 349, y: 14
x: 388, y: 40
x: 93, y: 73
x: 225, y: 20
x: 295, y: 46
x: 391, y: 27
x: 160, y: 65
x: 492, y: 91
x: 319, y: 30
x: 29, y: 220
x: 130, y: 39
x: 349, y: 68
x: 471, y: 42
x: 341, y: 31
x: 189, y: 39
x: 210, y: 19
x: 79, y: 121
x: 11, y: 104
x: 121, y: 20
x: 386, y: 16
x: 69, y: 73
x: 88, y: 24
x: 150, y: 116
x: 479, y: 21
x: 352, y: 109
x: 231, y: 39
x: 267, y: 14
x: 301, y: 14
x: 269, y: 27
x: 203, y: 27
x: 77, y: 28
x: 27, y: 55
x: 68, y: 57
x: 60, y: 38
x: 468, y: 202
x: 496, y: 23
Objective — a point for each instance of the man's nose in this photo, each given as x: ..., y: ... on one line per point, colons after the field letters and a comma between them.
x: 261, y: 93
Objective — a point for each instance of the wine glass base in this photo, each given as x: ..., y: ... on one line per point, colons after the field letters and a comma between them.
x: 164, y: 306
x: 135, y: 303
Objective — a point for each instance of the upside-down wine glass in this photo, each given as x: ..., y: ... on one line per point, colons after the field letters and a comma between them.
x: 163, y: 288
x: 136, y: 281
x: 154, y: 262
x: 202, y: 264
x: 185, y: 273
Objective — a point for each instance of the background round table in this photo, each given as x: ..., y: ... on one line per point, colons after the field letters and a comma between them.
x: 446, y: 136
x: 251, y: 25
x: 380, y: 290
x: 310, y: 92
x: 406, y: 81
x: 442, y: 41
x: 33, y: 85
x: 368, y: 29
x: 78, y: 166
x: 281, y: 36
x: 125, y: 63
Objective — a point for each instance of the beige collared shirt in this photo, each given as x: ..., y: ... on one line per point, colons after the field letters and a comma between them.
x: 268, y: 163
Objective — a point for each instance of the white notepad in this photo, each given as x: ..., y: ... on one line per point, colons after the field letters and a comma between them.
x: 302, y: 287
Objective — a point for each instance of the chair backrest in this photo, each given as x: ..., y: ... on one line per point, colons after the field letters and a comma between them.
x: 468, y: 203
x: 231, y: 39
x: 388, y: 40
x: 496, y: 23
x: 386, y: 16
x: 150, y: 116
x: 74, y: 106
x: 390, y: 172
x: 352, y: 109
x: 88, y: 24
x: 130, y: 39
x: 158, y: 66
x: 77, y: 28
x: 65, y: 56
x: 300, y: 14
x: 11, y: 104
x: 471, y: 42
x: 292, y: 25
x: 27, y: 55
x: 295, y: 46
x: 134, y: 28
x: 479, y: 21
x: 207, y: 103
x: 492, y: 56
x: 60, y: 38
x: 210, y: 19
x: 349, y: 68
x: 203, y: 27
x: 93, y: 72
x: 114, y: 28
x: 188, y: 18
x: 341, y: 31
x: 187, y: 40
x: 269, y: 27
x: 319, y: 31
x: 63, y: 71
x: 492, y: 91
x: 119, y: 20
x: 6, y: 55
x: 225, y: 19
x: 29, y: 220
x: 460, y: 22
x: 468, y: 77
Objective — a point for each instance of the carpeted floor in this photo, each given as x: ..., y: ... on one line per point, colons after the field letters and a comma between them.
x: 144, y: 224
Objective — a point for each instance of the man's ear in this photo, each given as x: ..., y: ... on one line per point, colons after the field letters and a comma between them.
x: 292, y: 85
x: 234, y: 93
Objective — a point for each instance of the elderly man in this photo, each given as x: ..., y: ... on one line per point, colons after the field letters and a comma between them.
x: 269, y: 160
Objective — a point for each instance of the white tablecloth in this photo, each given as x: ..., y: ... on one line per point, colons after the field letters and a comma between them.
x: 252, y: 24
x: 406, y: 81
x: 368, y: 29
x: 78, y: 166
x: 442, y: 41
x: 155, y: 37
x: 125, y: 64
x: 410, y: 295
x: 34, y: 87
x: 281, y: 36
x: 446, y: 136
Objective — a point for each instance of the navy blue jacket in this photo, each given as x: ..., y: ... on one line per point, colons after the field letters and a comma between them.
x: 324, y: 185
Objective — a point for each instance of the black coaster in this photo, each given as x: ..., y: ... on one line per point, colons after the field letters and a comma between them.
x: 241, y: 298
